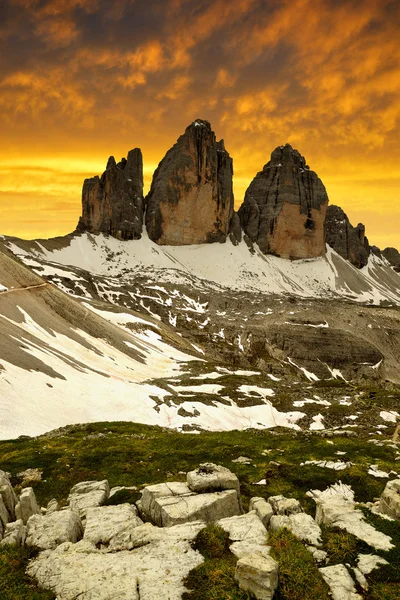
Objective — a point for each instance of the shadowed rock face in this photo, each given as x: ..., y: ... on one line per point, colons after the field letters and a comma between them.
x: 191, y: 197
x: 393, y: 256
x: 284, y: 207
x: 113, y: 203
x: 348, y: 241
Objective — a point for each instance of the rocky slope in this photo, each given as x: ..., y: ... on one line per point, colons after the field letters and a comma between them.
x: 191, y: 197
x: 113, y: 203
x: 284, y: 207
x: 348, y: 241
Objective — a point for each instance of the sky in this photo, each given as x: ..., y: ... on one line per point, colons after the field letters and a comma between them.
x: 81, y: 80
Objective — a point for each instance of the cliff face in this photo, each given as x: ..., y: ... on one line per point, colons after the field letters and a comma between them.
x: 348, y: 241
x: 284, y: 207
x: 191, y: 196
x: 113, y: 203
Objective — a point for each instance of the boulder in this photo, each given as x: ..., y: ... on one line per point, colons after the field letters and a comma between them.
x: 336, y: 508
x: 52, y: 506
x: 164, y: 507
x: 284, y: 506
x: 49, y: 531
x: 389, y: 503
x: 348, y: 241
x: 264, y: 510
x: 258, y: 574
x: 88, y: 494
x: 7, y: 494
x: 4, y: 517
x: 301, y: 525
x: 284, y: 207
x: 103, y: 523
x: 136, y: 536
x: 245, y: 528
x: 113, y: 203
x: 191, y: 195
x: 14, y: 534
x: 27, y: 505
x: 209, y: 477
x: 340, y: 583
x: 151, y: 572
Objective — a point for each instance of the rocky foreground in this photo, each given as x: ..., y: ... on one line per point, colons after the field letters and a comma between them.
x: 89, y: 550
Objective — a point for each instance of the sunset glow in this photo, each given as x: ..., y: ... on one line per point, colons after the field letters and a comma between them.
x: 83, y: 79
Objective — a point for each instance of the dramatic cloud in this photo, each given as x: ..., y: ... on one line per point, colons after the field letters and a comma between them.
x: 83, y: 79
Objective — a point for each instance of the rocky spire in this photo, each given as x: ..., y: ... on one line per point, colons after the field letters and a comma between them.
x: 393, y: 257
x: 284, y: 207
x: 348, y: 241
x: 113, y: 203
x: 191, y: 196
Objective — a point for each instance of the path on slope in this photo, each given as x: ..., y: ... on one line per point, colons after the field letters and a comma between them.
x: 28, y: 287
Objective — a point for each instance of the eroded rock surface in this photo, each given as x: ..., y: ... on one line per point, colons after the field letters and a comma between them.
x: 113, y: 203
x: 191, y: 197
x: 88, y: 494
x: 284, y: 207
x: 348, y: 241
x: 390, y: 500
x: 258, y: 574
x: 49, y: 531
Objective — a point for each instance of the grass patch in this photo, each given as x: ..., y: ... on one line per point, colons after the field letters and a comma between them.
x: 341, y: 546
x: 14, y: 584
x: 299, y: 578
x: 215, y: 578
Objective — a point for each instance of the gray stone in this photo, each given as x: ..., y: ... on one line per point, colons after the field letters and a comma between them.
x: 103, y: 523
x: 27, y: 505
x: 258, y: 574
x: 8, y: 495
x: 263, y: 509
x: 49, y: 531
x: 284, y: 506
x: 246, y: 527
x: 389, y: 503
x: 136, y: 536
x: 88, y: 494
x: 340, y: 583
x: 52, y: 506
x: 14, y: 534
x: 209, y: 477
x: 301, y: 525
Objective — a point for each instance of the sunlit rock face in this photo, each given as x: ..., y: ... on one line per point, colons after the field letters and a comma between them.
x: 113, y: 203
x: 284, y: 207
x: 191, y: 197
x: 348, y: 241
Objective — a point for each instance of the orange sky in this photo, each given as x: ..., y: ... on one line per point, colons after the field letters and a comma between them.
x: 83, y: 79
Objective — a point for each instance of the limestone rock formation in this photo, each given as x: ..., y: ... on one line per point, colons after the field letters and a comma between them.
x: 393, y: 256
x: 284, y: 207
x: 348, y: 241
x: 113, y: 203
x: 191, y: 197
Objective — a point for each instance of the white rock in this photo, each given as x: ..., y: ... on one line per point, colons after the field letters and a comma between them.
x: 27, y: 505
x: 4, y: 517
x: 174, y: 503
x: 258, y: 574
x: 147, y: 533
x: 14, y: 533
x: 336, y: 508
x: 103, y: 523
x: 152, y: 572
x: 340, y: 583
x: 209, y: 477
x: 246, y: 527
x: 52, y: 506
x: 390, y: 500
x: 285, y: 506
x: 240, y: 549
x: 49, y: 531
x: 263, y: 509
x: 88, y: 494
x: 366, y: 563
x: 301, y: 525
x: 7, y: 494
x: 118, y: 488
x: 318, y: 554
